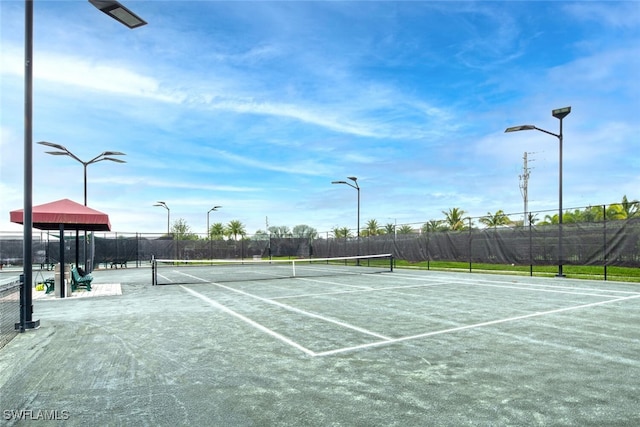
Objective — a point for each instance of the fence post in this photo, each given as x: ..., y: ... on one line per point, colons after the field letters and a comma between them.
x: 470, y: 256
x: 604, y: 246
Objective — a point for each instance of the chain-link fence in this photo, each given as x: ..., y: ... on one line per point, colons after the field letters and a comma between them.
x: 9, y: 310
x: 589, y: 243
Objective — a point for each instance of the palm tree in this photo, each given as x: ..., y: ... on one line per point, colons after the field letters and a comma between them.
x: 216, y: 231
x: 405, y: 229
x: 235, y: 228
x: 341, y: 232
x: 389, y: 228
x: 495, y: 220
x: 624, y: 210
x: 432, y: 225
x: 455, y: 219
x: 372, y: 228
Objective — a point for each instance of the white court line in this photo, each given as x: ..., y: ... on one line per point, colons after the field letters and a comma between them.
x: 544, y: 285
x: 369, y: 289
x: 386, y: 340
x: 249, y: 321
x: 556, y: 291
x: 306, y: 313
x: 461, y: 328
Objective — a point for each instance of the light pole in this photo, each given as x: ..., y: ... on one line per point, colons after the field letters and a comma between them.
x: 357, y: 187
x: 164, y: 205
x: 215, y: 208
x: 126, y: 17
x: 63, y: 151
x: 100, y: 157
x: 559, y: 114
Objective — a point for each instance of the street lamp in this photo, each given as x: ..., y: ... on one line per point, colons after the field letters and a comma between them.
x: 118, y: 12
x: 215, y: 208
x: 559, y: 114
x: 123, y: 15
x: 164, y: 205
x: 354, y: 185
x: 63, y: 151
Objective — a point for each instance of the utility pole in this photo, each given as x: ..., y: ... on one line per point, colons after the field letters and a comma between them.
x: 524, y: 186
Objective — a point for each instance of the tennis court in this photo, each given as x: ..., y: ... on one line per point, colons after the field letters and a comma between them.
x: 391, y: 348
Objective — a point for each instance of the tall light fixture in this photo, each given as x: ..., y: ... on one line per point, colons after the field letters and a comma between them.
x: 100, y: 157
x: 164, y: 205
x: 215, y: 208
x: 357, y: 187
x: 63, y: 151
x: 124, y: 16
x: 559, y: 114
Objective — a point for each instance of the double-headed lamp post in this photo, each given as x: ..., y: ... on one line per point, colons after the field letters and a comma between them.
x: 164, y: 205
x: 104, y: 156
x: 123, y: 15
x: 357, y: 187
x: 559, y: 114
x: 63, y: 151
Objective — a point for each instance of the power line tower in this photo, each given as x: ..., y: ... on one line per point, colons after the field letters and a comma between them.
x: 524, y: 186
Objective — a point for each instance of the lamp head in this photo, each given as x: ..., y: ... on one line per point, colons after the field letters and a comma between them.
x: 52, y: 145
x: 518, y: 128
x: 114, y: 160
x: 118, y: 12
x: 561, y: 113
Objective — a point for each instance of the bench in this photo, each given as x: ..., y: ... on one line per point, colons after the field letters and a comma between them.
x: 123, y: 264
x: 49, y: 284
x: 78, y: 281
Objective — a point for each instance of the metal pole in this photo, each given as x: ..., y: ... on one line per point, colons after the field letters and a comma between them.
x: 358, y: 188
x: 26, y: 300
x: 560, y: 251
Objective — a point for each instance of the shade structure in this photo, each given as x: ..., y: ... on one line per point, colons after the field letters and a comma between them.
x: 64, y: 212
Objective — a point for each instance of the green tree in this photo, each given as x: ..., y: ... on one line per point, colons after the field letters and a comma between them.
x: 372, y: 228
x: 455, y: 219
x: 216, y: 231
x: 624, y: 210
x: 389, y: 228
x: 432, y: 226
x: 279, y: 231
x: 341, y: 232
x: 235, y: 228
x: 304, y: 231
x: 405, y: 229
x: 181, y: 230
x: 495, y: 220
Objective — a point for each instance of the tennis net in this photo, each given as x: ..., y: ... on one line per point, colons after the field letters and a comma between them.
x: 174, y: 272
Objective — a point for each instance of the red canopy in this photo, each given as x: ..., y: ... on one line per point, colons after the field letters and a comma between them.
x: 69, y: 213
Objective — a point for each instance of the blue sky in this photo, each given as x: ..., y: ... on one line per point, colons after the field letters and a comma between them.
x: 258, y: 106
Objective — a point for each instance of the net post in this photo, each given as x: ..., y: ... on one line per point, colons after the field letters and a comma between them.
x: 391, y: 263
x: 154, y: 280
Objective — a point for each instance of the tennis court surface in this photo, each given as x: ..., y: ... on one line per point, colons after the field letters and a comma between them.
x: 398, y: 348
